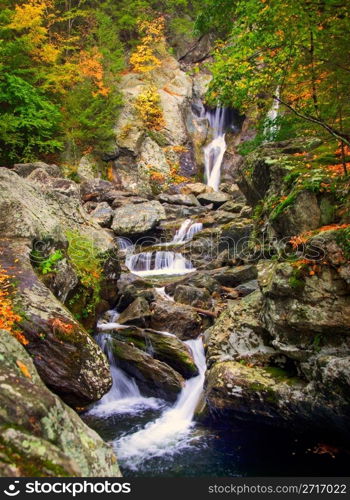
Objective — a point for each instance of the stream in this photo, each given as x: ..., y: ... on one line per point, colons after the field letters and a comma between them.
x: 153, y: 437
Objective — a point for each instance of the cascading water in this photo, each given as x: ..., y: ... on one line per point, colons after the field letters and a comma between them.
x: 170, y: 432
x: 124, y: 395
x: 214, y: 152
x: 187, y: 230
x: 158, y: 263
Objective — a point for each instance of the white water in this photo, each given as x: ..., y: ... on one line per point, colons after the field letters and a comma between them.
x: 187, y: 230
x: 124, y: 244
x: 272, y: 127
x: 124, y: 395
x: 169, y: 434
x: 162, y: 293
x: 215, y: 150
x: 158, y: 264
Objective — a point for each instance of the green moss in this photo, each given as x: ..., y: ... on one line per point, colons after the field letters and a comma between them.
x: 158, y: 137
x: 289, y: 200
x: 343, y: 240
x: 88, y: 264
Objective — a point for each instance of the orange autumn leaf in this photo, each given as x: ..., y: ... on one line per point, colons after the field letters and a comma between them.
x: 24, y: 369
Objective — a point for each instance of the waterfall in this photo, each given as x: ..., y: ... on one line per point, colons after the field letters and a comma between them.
x: 187, y: 230
x: 158, y: 263
x: 124, y: 243
x: 271, y: 126
x: 124, y: 395
x: 170, y: 432
x: 219, y: 120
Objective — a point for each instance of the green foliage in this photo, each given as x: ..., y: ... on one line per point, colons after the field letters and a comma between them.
x: 296, y: 50
x: 29, y: 121
x: 89, y: 119
x: 48, y: 265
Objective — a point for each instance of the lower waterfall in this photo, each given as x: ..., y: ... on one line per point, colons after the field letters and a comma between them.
x: 169, y: 433
x: 158, y: 263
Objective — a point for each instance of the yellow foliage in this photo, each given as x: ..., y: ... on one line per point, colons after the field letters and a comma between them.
x: 90, y: 66
x: 144, y: 59
x: 149, y: 110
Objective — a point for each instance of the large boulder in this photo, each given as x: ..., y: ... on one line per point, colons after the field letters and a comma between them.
x: 137, y: 313
x: 178, y: 319
x: 67, y: 358
x: 166, y: 348
x: 131, y: 222
x: 39, y: 435
x: 154, y: 378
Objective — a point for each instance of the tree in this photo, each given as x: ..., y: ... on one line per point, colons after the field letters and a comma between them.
x: 301, y: 47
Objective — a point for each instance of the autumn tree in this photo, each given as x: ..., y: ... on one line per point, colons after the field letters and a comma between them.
x: 299, y: 47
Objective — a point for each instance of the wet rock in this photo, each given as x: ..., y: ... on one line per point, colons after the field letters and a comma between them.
x: 247, y: 287
x: 179, y: 199
x: 102, y: 214
x: 232, y: 206
x: 137, y: 313
x: 130, y: 222
x: 183, y: 212
x: 154, y: 378
x: 253, y: 393
x: 215, y: 198
x: 178, y: 319
x: 165, y: 348
x: 39, y: 435
x: 239, y: 334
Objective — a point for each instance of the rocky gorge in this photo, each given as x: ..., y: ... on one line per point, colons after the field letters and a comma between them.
x: 149, y: 289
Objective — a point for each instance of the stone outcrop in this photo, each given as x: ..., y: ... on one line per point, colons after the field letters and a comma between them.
x: 39, y: 434
x: 67, y: 358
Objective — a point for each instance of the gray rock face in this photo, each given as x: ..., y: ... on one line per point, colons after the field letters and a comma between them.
x: 66, y: 357
x: 24, y: 169
x: 129, y: 221
x: 281, y: 353
x: 197, y: 297
x: 102, y: 214
x: 39, y: 435
x: 234, y: 276
x: 303, y: 215
x: 137, y: 313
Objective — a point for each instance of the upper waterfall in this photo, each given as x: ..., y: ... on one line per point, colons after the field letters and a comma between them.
x: 220, y: 120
